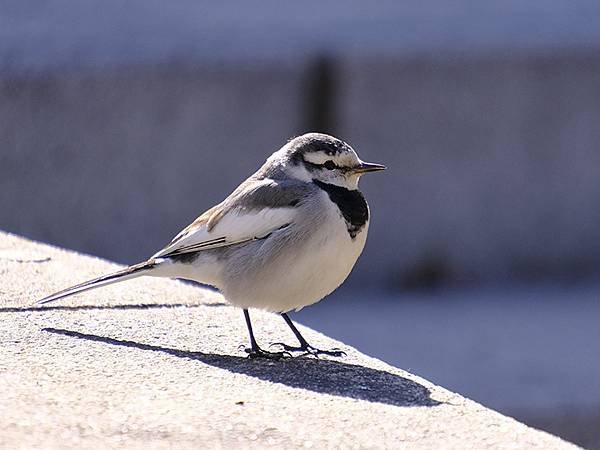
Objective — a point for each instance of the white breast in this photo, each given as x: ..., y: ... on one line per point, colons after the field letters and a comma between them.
x: 305, y: 275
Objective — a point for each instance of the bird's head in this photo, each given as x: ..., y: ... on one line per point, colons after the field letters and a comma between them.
x: 317, y: 156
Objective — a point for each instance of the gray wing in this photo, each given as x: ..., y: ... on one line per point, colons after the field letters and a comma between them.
x: 253, y: 211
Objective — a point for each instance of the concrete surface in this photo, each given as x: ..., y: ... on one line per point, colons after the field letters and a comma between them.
x: 155, y: 364
x: 527, y: 348
x: 529, y: 351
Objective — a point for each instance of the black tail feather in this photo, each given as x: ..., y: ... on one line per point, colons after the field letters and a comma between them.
x: 130, y: 272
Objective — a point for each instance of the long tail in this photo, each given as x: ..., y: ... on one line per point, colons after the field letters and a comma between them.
x: 128, y: 273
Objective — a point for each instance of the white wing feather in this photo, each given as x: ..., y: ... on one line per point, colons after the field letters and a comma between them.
x: 236, y: 226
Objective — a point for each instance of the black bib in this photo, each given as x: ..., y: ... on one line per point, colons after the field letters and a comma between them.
x: 352, y: 205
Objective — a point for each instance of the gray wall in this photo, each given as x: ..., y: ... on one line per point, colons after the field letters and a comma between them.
x: 116, y: 163
x: 493, y: 162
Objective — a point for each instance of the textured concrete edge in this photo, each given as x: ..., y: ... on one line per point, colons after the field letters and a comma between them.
x: 21, y: 251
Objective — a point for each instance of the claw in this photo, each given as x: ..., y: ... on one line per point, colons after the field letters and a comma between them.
x: 260, y: 353
x: 335, y: 352
x: 309, y: 350
x: 280, y: 344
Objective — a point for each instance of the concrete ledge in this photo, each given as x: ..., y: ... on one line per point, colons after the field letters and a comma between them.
x: 155, y: 364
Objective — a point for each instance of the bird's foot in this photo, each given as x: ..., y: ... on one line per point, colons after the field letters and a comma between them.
x: 309, y: 350
x: 257, y: 352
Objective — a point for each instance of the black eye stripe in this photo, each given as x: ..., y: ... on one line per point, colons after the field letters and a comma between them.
x: 313, y: 166
x: 329, y: 165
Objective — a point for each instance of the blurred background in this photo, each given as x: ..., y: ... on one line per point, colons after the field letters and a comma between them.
x: 121, y: 121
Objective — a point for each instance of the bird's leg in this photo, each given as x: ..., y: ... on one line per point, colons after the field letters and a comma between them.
x: 304, y: 346
x: 255, y: 351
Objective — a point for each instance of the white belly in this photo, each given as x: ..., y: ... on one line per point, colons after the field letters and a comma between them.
x: 304, y: 276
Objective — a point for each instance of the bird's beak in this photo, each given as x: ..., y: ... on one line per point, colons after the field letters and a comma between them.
x: 364, y: 167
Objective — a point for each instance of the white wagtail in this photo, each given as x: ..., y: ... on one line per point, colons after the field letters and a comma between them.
x: 285, y: 238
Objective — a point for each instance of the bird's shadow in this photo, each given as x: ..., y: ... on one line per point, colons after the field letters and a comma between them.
x: 44, y: 309
x: 317, y: 375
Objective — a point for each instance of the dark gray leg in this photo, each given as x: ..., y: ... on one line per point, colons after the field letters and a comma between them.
x: 295, y: 330
x: 305, y: 347
x: 255, y: 351
x: 253, y: 343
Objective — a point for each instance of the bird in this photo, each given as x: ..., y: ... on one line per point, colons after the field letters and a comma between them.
x: 285, y: 238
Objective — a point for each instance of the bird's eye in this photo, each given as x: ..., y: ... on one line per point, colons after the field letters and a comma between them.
x: 329, y: 165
